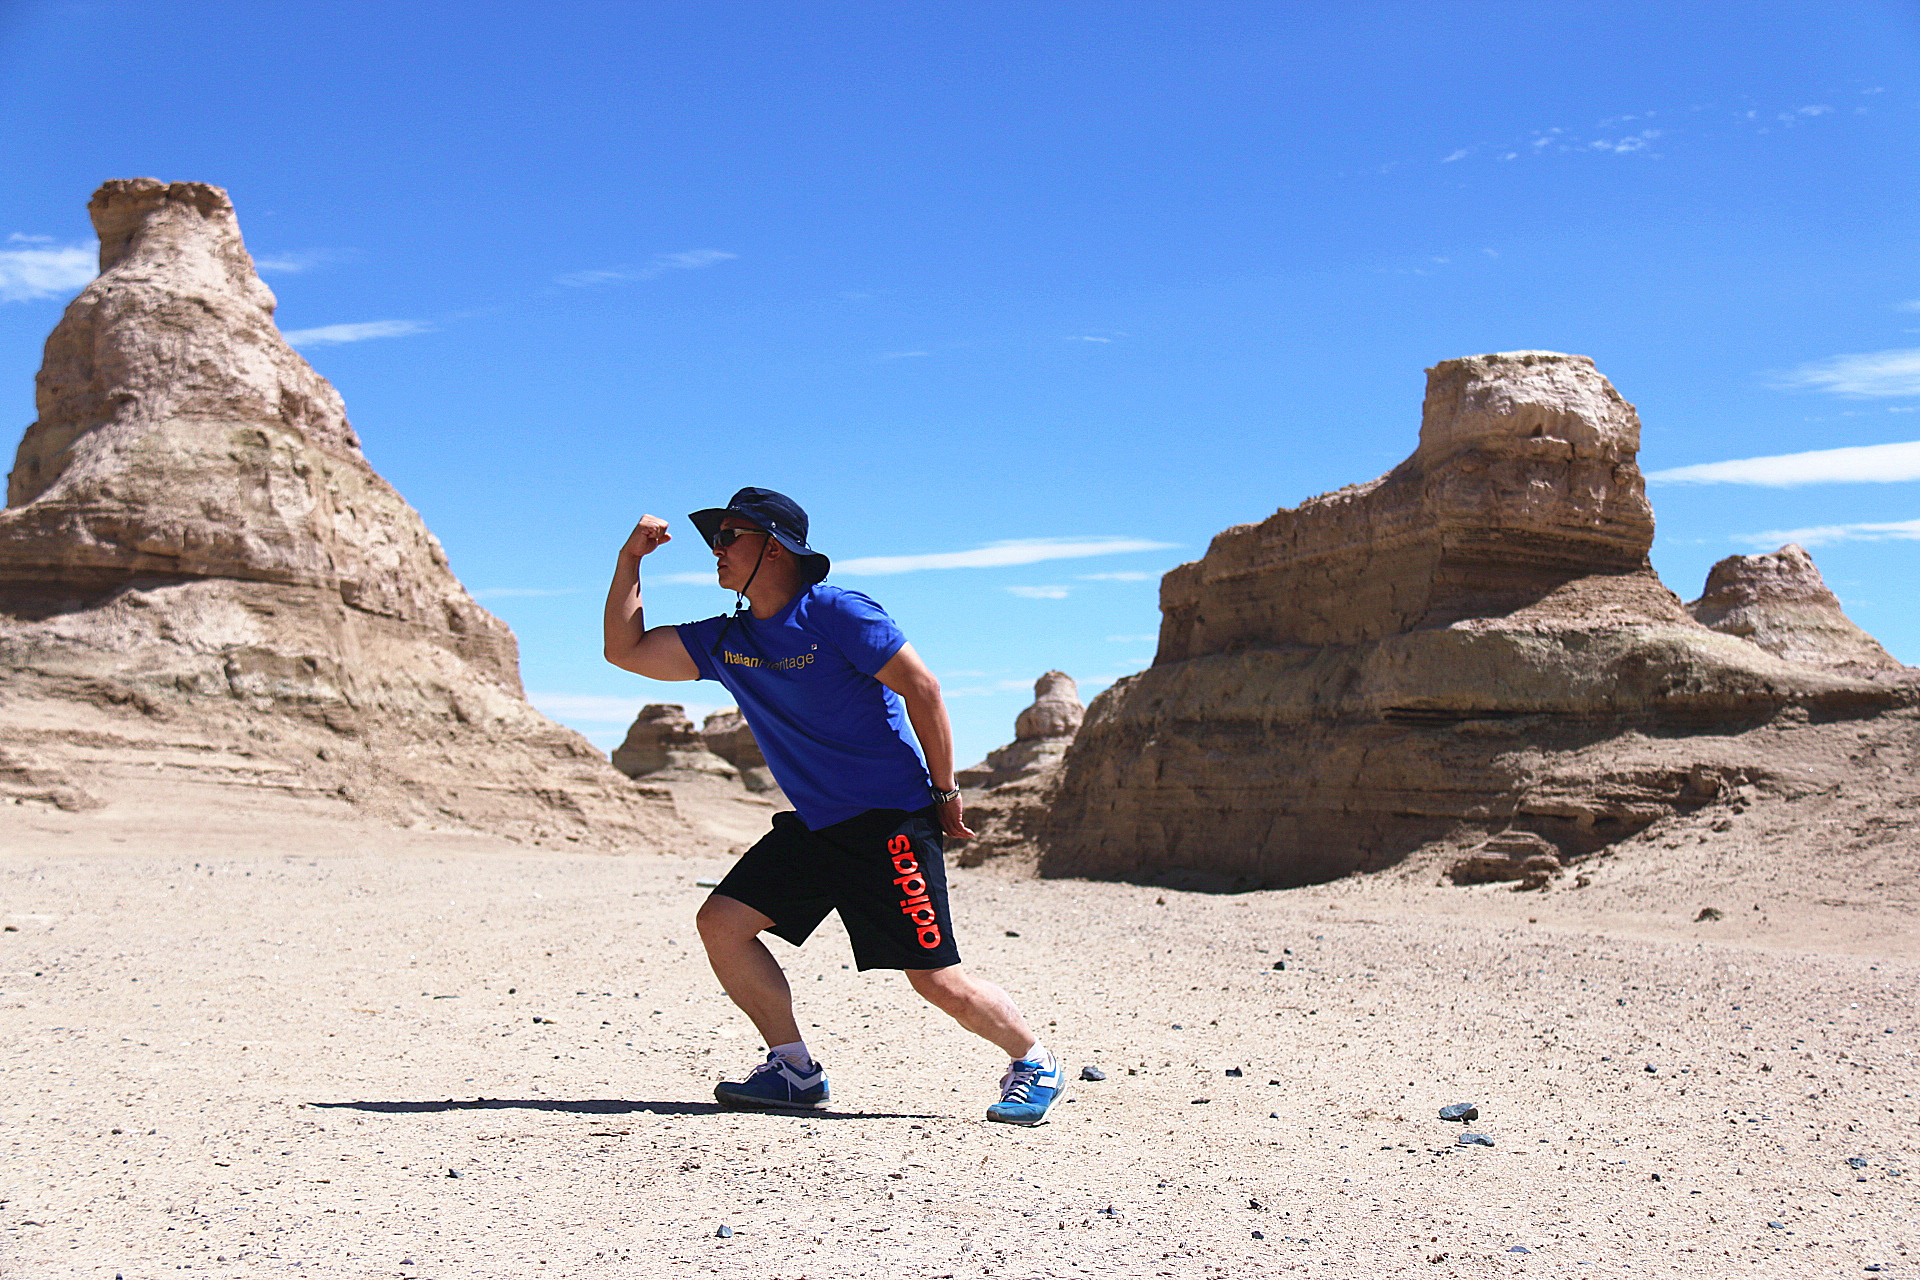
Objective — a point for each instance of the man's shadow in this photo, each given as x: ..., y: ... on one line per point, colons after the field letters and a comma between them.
x: 606, y: 1107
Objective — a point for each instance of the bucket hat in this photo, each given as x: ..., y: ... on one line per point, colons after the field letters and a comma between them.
x: 778, y: 514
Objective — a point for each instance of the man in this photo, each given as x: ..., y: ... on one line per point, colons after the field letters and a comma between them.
x: 828, y: 685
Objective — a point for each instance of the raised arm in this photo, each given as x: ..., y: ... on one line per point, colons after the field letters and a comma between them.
x: 656, y: 653
x: 907, y: 675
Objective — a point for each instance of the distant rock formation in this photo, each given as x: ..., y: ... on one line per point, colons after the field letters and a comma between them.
x: 1010, y: 792
x: 1041, y: 735
x: 1780, y: 602
x: 663, y: 739
x: 203, y: 582
x: 726, y: 734
x: 1471, y: 651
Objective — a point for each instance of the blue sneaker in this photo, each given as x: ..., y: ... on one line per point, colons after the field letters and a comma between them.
x: 1028, y: 1091
x: 775, y: 1083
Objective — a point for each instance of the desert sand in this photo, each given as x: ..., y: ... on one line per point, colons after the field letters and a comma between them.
x: 267, y: 1035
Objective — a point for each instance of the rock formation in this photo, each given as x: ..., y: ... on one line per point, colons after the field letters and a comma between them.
x: 1041, y: 735
x: 1009, y: 794
x: 204, y: 583
x: 662, y: 739
x: 1471, y: 651
x: 727, y: 736
x: 1781, y: 603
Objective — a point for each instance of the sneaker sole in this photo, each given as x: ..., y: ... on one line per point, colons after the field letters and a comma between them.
x: 745, y: 1103
x: 1059, y: 1096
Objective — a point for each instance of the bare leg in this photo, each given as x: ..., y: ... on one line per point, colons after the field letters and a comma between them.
x: 975, y: 1004
x: 730, y: 930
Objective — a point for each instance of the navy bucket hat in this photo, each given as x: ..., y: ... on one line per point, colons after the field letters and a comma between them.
x: 778, y: 514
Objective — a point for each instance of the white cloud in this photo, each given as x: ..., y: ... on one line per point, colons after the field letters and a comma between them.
x: 1461, y: 154
x: 43, y: 270
x: 902, y: 355
x: 292, y: 262
x: 1871, y: 373
x: 998, y: 555
x: 1913, y: 305
x: 1087, y: 337
x: 660, y: 265
x: 1132, y: 639
x: 523, y: 593
x: 595, y: 708
x: 1860, y: 464
x: 329, y: 335
x: 1821, y: 535
x: 1040, y: 593
x: 1125, y: 575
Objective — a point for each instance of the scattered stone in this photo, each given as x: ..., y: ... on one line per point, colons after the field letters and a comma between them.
x: 1460, y: 1111
x: 1255, y: 1204
x: 724, y: 1233
x: 454, y: 1173
x: 1279, y: 965
x: 1259, y: 1235
x: 1012, y: 933
x: 1518, y: 1248
x: 1473, y: 1140
x: 1856, y: 1162
x: 1709, y: 913
x: 1201, y: 1101
x: 1651, y: 1070
x: 1235, y: 1072
x: 1778, y: 1226
x: 1092, y: 1073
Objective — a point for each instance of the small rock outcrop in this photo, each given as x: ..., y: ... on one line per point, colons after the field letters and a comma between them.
x: 1471, y: 652
x: 1010, y: 792
x: 726, y: 734
x: 204, y: 584
x: 1041, y: 735
x: 1780, y: 602
x: 662, y: 739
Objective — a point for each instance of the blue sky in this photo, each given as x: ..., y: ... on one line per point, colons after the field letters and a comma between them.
x: 1034, y: 279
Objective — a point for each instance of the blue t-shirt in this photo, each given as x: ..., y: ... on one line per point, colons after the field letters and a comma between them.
x: 836, y: 739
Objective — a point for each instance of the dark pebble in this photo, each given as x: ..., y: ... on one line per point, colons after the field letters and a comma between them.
x: 1778, y: 1226
x: 1473, y: 1140
x: 1871, y: 1266
x: 1234, y: 1071
x: 1092, y: 1073
x: 1461, y: 1111
x: 1255, y: 1204
x: 1518, y: 1248
x: 1259, y: 1235
x: 724, y: 1233
x: 1279, y: 964
x: 1651, y: 1070
x: 1012, y: 934
x: 1656, y: 1177
x: 1853, y: 1162
x: 453, y: 1173
x: 1201, y: 1101
x: 1178, y: 1027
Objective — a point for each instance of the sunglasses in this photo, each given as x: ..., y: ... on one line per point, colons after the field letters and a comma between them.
x: 727, y: 537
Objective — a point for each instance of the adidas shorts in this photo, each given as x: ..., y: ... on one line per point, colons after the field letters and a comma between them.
x: 883, y: 870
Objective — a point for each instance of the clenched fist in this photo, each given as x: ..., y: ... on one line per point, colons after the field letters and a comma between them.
x: 646, y: 536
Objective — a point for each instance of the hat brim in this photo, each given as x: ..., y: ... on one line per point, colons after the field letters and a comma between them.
x: 708, y: 521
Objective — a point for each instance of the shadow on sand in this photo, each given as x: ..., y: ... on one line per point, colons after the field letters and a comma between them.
x: 606, y: 1107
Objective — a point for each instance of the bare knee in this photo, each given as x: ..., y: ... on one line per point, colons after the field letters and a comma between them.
x: 949, y: 988
x: 725, y: 921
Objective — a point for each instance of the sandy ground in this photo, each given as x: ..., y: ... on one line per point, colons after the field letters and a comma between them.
x: 252, y: 1038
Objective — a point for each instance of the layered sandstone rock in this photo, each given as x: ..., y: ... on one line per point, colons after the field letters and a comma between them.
x: 728, y: 736
x: 663, y: 739
x: 1780, y: 602
x: 1041, y: 735
x: 1473, y: 648
x: 204, y: 583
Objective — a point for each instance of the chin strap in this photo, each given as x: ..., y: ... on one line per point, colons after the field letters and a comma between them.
x: 740, y: 599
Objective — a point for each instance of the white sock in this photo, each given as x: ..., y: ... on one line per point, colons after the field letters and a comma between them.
x: 1039, y: 1053
x: 796, y: 1055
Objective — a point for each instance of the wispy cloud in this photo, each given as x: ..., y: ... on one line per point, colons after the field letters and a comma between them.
x: 1821, y: 535
x: 903, y: 355
x: 988, y: 690
x: 592, y: 708
x: 1132, y: 639
x: 661, y: 264
x: 1124, y: 575
x: 999, y: 555
x: 1860, y: 464
x: 1087, y: 337
x: 41, y: 269
x: 292, y: 262
x: 1871, y: 373
x: 330, y: 335
x: 523, y: 593
x: 1041, y: 593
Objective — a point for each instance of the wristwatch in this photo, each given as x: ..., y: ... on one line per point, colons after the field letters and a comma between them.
x: 943, y: 797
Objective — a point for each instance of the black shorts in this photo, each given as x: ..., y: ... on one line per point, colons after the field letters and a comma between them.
x: 883, y: 870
